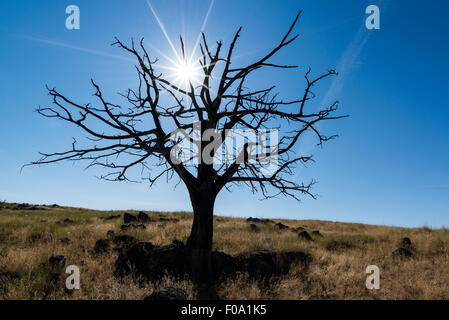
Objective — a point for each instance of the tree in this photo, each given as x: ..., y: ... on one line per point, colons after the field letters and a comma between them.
x: 219, y: 104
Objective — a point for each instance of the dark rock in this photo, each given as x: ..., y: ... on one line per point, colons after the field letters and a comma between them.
x: 54, y: 205
x: 253, y: 220
x: 298, y: 229
x: 288, y: 259
x: 167, y: 293
x: 223, y: 264
x: 403, y: 253
x: 281, y: 226
x: 261, y: 265
x: 254, y: 228
x: 304, y: 235
x: 101, y: 246
x: 317, y: 233
x: 124, y: 239
x: 132, y: 226
x: 57, y: 261
x: 65, y: 240
x: 110, y: 234
x: 152, y: 262
x: 7, y: 277
x: 66, y: 221
x: 406, y: 242
x: 128, y: 218
x: 112, y: 217
x: 267, y: 221
x: 143, y: 217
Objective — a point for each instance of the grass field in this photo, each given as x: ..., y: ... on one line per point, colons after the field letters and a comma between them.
x: 30, y: 235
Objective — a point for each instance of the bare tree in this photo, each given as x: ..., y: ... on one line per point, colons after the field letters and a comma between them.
x: 139, y: 134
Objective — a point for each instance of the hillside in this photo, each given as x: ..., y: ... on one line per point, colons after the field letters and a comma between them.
x: 331, y: 264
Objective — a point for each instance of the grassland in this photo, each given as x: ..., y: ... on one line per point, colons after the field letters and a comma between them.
x: 29, y: 235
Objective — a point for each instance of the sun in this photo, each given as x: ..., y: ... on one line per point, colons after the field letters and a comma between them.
x: 186, y: 72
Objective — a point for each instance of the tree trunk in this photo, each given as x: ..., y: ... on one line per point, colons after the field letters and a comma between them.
x: 199, y: 242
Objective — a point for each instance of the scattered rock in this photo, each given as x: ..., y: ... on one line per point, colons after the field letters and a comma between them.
x: 254, y: 228
x: 124, y: 227
x: 110, y: 234
x: 253, y: 220
x: 304, y: 235
x: 261, y: 265
x: 267, y: 221
x: 124, y: 239
x: 151, y: 262
x: 66, y: 221
x: 57, y: 261
x: 298, y: 229
x: 406, y: 242
x: 317, y: 233
x: 403, y: 253
x: 128, y: 218
x: 167, y: 293
x: 101, y: 246
x: 112, y: 217
x: 281, y: 226
x: 65, y: 240
x: 143, y: 217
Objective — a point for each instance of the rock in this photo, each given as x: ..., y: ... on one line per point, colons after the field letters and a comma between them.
x: 101, y: 246
x: 124, y: 239
x: 281, y: 226
x: 317, y: 233
x: 65, y: 240
x: 143, y: 217
x: 403, y: 253
x: 65, y: 221
x: 254, y: 228
x: 406, y: 242
x: 253, y: 220
x: 288, y: 259
x: 152, y: 262
x: 57, y: 261
x: 167, y: 293
x: 132, y: 226
x: 112, y: 217
x: 128, y: 218
x: 298, y: 229
x: 223, y: 264
x: 261, y: 265
x: 304, y: 235
x: 267, y: 221
x: 110, y: 234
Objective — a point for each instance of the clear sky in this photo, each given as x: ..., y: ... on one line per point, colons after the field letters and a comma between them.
x: 389, y: 165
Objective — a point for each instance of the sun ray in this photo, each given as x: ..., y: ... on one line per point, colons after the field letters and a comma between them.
x: 161, y: 25
x: 203, y: 26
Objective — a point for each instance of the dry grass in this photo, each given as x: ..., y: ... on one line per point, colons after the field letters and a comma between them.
x: 29, y: 237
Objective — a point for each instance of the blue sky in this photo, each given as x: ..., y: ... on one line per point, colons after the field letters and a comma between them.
x: 389, y: 165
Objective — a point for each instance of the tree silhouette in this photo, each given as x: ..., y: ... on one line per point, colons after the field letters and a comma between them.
x: 140, y: 134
